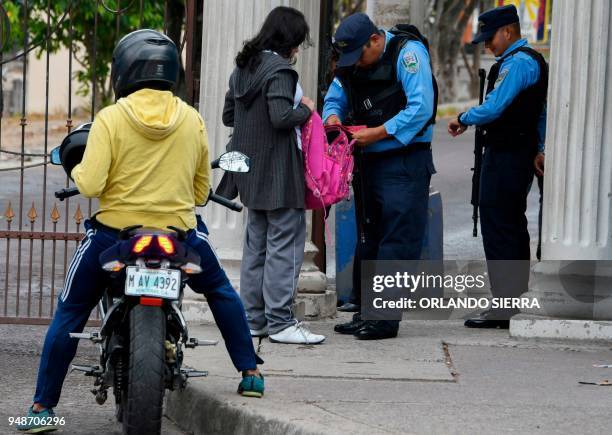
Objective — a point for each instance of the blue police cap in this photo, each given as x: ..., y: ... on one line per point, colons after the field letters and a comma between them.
x: 490, y: 21
x: 352, y: 34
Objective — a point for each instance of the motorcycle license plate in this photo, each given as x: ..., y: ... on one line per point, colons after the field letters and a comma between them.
x: 159, y: 283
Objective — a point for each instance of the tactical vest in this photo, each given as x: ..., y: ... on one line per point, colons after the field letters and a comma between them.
x: 518, y: 124
x: 374, y: 94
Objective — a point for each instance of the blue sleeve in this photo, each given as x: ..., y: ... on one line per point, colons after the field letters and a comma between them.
x: 542, y: 130
x: 414, y: 72
x: 336, y: 102
x: 516, y: 74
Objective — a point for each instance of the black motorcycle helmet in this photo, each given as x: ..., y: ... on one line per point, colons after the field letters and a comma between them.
x: 144, y: 58
x: 73, y: 147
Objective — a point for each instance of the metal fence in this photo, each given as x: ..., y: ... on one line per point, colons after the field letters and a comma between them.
x: 38, y: 234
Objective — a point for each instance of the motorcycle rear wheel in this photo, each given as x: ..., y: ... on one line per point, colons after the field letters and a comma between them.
x: 143, y: 402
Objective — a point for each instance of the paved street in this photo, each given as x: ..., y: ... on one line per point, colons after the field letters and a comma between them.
x: 20, y: 348
x: 435, y: 378
x: 453, y: 159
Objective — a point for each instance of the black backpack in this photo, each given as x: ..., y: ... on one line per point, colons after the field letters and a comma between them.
x: 412, y: 33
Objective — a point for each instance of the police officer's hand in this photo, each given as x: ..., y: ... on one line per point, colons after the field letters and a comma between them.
x: 455, y: 128
x: 333, y: 120
x: 308, y: 103
x: 368, y: 136
x: 539, y: 164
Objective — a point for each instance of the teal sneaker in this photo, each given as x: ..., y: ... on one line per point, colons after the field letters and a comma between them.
x: 251, y: 386
x: 38, y: 422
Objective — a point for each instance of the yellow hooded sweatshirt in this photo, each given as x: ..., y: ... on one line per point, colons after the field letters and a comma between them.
x: 147, y: 161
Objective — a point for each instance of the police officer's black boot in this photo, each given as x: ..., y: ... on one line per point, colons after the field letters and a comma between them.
x: 491, y: 319
x: 349, y: 307
x: 350, y: 327
x: 377, y: 330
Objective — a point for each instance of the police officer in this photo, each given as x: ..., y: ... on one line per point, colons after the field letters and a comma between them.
x: 384, y: 81
x: 513, y: 119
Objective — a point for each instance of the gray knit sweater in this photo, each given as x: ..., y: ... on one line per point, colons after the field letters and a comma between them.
x: 259, y: 105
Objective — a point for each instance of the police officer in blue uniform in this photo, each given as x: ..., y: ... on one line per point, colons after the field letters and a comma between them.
x: 384, y: 81
x: 513, y: 119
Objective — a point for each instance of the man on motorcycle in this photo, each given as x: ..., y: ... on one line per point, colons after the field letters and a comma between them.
x: 147, y: 161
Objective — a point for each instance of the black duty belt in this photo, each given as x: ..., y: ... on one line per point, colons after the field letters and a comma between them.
x: 408, y: 149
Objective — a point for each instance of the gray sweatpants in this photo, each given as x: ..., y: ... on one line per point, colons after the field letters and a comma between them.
x: 272, y: 257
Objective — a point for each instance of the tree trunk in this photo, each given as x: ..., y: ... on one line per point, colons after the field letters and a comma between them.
x: 176, y: 15
x: 451, y: 18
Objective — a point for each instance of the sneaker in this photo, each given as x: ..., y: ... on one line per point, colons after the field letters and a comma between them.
x: 38, y: 422
x: 251, y: 386
x: 262, y: 332
x: 296, y: 334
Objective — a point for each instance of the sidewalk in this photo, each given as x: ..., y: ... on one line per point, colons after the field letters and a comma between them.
x: 437, y: 377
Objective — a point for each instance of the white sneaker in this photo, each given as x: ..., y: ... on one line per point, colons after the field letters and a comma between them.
x: 262, y: 332
x: 296, y: 334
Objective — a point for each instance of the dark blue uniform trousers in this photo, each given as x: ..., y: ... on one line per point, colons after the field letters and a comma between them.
x: 85, y: 284
x: 506, y: 177
x: 393, y: 195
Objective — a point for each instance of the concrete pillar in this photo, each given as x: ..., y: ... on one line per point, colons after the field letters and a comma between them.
x: 388, y: 13
x: 578, y: 182
x: 226, y: 25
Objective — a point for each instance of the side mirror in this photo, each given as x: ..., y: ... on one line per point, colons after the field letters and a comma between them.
x: 234, y: 161
x: 55, y: 156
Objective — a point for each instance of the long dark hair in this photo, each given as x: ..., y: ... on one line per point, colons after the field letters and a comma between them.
x: 283, y: 30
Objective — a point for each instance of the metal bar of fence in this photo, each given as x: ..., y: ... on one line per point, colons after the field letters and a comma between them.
x: 8, y: 260
x: 39, y: 235
x: 15, y: 153
x: 16, y: 264
x: 44, y: 192
x: 23, y: 128
x: 94, y: 77
x: 35, y: 45
x: 54, y: 249
x: 69, y: 129
x: 166, y: 17
x: 141, y: 14
x: 117, y: 21
x: 19, y: 168
x: 190, y: 18
x: 32, y: 217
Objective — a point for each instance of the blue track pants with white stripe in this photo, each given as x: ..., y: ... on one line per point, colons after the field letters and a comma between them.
x: 84, y: 286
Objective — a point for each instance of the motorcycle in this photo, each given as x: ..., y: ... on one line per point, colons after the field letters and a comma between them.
x: 143, y: 332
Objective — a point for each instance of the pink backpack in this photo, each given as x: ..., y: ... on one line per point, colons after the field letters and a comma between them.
x: 328, y: 167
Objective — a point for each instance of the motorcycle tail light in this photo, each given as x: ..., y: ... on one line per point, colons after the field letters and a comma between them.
x: 142, y: 243
x: 113, y: 266
x: 191, y: 268
x: 165, y: 243
x: 151, y: 302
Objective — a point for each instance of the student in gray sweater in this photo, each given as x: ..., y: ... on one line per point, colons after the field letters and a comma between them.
x: 264, y: 106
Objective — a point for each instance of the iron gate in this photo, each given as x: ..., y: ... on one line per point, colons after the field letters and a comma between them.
x: 38, y: 234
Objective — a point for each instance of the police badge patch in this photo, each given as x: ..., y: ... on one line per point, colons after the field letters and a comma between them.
x: 410, y: 62
x: 501, y: 77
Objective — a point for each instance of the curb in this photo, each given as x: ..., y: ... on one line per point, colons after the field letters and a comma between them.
x: 200, y: 412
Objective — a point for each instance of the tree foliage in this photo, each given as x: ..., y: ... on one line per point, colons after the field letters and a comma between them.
x: 445, y: 27
x: 56, y: 24
x: 344, y: 8
x: 447, y: 22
